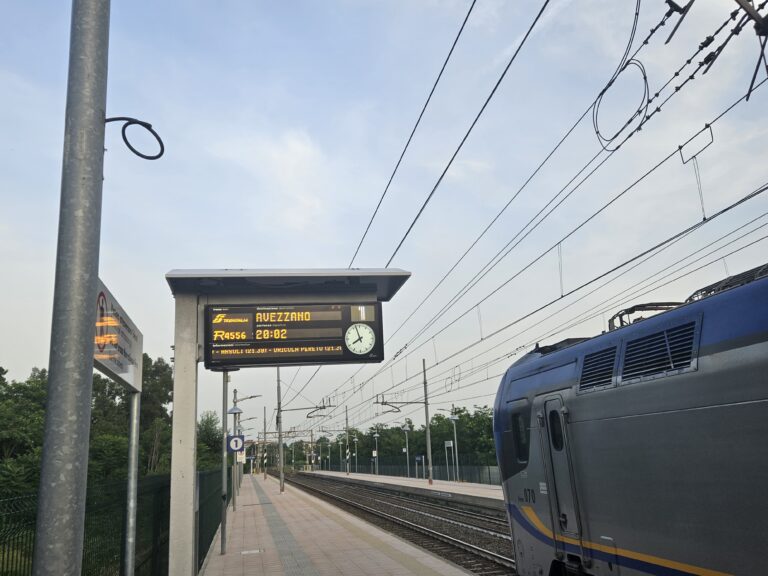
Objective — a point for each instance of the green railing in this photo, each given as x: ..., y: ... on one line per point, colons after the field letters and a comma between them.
x: 103, y: 540
x: 103, y: 537
x: 209, y: 512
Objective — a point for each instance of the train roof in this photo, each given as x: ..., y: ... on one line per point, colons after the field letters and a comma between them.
x: 743, y: 294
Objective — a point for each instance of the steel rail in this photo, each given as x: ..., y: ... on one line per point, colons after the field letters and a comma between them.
x: 466, y: 546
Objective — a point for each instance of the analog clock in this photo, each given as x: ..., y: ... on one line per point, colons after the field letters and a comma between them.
x: 360, y: 338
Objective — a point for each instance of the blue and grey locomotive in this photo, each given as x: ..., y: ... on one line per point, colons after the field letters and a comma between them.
x: 644, y: 450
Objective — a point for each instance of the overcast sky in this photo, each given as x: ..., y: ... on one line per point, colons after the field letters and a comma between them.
x: 282, y: 123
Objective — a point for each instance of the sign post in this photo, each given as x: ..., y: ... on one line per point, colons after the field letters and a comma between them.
x: 118, y: 352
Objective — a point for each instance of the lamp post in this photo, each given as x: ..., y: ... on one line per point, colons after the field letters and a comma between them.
x: 407, y: 454
x: 235, y: 411
x: 454, y: 418
x: 236, y: 473
x: 355, y: 454
x: 376, y: 438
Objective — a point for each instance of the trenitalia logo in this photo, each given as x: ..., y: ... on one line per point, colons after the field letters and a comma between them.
x: 219, y: 318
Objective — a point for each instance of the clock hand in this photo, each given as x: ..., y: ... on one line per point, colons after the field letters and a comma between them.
x: 358, y: 340
x: 358, y: 332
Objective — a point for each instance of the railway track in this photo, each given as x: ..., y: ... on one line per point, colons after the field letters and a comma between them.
x: 455, y: 535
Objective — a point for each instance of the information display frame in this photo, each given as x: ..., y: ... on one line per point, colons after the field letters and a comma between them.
x: 295, y: 334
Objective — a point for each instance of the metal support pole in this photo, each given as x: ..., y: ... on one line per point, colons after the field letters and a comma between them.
x: 234, y: 456
x: 455, y: 451
x: 182, y: 536
x: 346, y: 429
x: 426, y: 415
x: 280, y: 432
x: 376, y: 438
x: 355, y: 454
x: 447, y: 465
x: 133, y: 482
x: 312, y: 451
x: 264, y: 460
x: 407, y: 455
x: 61, y: 504
x: 224, y: 487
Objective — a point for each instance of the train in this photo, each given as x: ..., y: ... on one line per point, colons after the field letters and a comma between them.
x: 643, y: 450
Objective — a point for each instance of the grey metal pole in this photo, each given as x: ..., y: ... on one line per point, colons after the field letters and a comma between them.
x: 129, y: 562
x: 376, y: 438
x: 447, y: 465
x: 224, y: 487
x: 426, y: 415
x: 264, y: 460
x: 346, y: 429
x: 355, y: 454
x: 234, y: 456
x: 64, y: 474
x: 280, y: 431
x: 455, y: 451
x: 407, y: 456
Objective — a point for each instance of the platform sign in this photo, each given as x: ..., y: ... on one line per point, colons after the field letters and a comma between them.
x: 297, y: 334
x: 235, y: 443
x: 117, y: 345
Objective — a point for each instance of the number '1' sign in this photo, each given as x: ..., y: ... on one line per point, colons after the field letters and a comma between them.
x: 295, y: 334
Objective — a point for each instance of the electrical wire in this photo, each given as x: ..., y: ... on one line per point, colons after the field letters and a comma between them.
x: 413, y: 131
x: 469, y: 131
x: 635, y: 258
x: 546, y: 159
x: 656, y: 95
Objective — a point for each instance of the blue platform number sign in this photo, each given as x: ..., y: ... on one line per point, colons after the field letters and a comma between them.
x: 235, y: 443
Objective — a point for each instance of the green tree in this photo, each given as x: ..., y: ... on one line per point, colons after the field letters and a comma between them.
x: 209, y: 435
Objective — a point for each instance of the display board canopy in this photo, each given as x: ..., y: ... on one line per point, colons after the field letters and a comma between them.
x: 381, y: 283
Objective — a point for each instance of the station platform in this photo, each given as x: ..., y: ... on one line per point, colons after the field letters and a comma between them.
x: 466, y: 493
x: 295, y: 534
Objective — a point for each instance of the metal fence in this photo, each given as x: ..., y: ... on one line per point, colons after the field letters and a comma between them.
x: 103, y: 539
x: 470, y: 469
x: 209, y: 511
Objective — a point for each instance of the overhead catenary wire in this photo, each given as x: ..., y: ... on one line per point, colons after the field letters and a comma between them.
x: 546, y: 159
x: 413, y: 131
x: 468, y: 132
x: 571, y: 324
x: 757, y: 192
x: 495, y: 260
x: 655, y: 96
x: 541, y: 255
x: 525, y: 231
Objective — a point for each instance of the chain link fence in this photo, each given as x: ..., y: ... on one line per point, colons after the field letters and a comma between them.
x: 103, y: 538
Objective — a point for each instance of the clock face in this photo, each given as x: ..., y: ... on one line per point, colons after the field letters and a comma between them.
x: 360, y: 338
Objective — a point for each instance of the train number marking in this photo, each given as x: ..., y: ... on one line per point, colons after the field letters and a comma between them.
x: 529, y: 495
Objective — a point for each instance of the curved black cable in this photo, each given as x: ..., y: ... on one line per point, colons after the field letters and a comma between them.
x: 147, y: 126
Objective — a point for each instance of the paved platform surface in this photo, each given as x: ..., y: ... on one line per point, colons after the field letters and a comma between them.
x: 295, y: 534
x: 482, y: 490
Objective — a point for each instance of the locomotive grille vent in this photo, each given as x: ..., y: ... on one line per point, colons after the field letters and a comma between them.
x: 598, y: 369
x: 660, y: 352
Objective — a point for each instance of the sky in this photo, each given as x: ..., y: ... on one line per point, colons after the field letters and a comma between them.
x: 282, y: 123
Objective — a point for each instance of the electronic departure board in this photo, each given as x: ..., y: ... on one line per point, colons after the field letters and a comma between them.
x: 280, y: 334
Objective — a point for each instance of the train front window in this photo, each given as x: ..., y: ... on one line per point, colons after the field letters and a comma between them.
x: 515, y: 438
x: 521, y: 435
x: 555, y: 430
